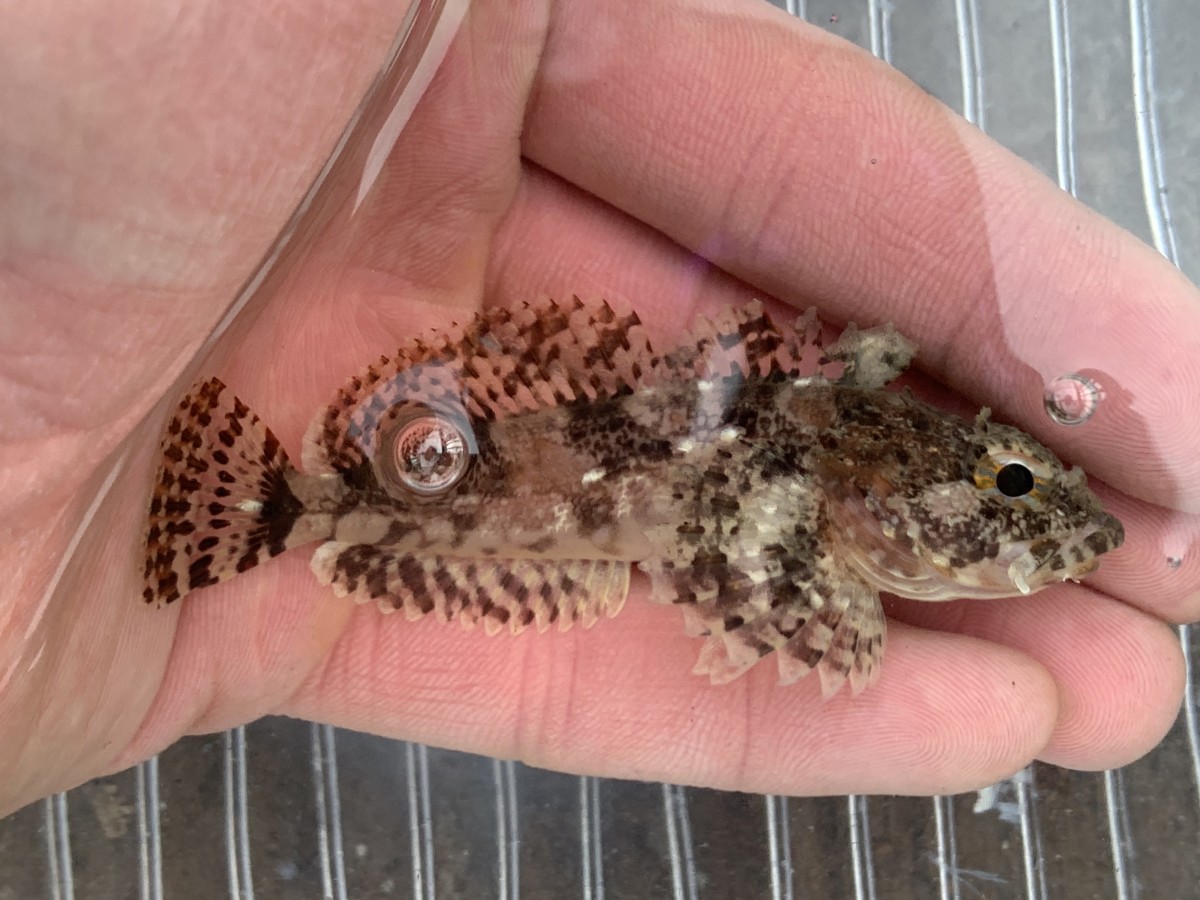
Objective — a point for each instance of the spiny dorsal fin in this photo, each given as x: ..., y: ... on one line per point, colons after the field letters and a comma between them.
x: 512, y: 594
x: 871, y: 357
x: 503, y: 362
x: 745, y: 341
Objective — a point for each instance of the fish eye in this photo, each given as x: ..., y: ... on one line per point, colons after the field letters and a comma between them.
x: 429, y: 453
x: 1014, y: 480
x: 1017, y: 477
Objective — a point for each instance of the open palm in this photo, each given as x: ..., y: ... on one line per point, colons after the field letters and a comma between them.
x: 673, y: 157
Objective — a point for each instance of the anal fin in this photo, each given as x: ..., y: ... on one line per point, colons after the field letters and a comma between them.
x: 498, y: 594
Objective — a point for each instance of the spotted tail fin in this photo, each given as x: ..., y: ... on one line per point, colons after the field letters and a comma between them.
x: 221, y: 501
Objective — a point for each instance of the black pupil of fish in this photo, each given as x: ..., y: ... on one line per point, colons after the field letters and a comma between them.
x: 1014, y: 480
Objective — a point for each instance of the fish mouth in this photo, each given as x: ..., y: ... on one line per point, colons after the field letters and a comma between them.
x: 1034, y: 565
x: 1020, y: 568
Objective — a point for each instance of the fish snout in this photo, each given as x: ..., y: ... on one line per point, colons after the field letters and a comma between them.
x: 1081, y: 554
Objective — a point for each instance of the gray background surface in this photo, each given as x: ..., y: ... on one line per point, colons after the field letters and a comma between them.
x: 285, y: 809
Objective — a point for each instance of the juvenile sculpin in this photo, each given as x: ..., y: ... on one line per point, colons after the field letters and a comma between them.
x: 510, y: 471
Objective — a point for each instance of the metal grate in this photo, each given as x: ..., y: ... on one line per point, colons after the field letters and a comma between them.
x: 313, y: 812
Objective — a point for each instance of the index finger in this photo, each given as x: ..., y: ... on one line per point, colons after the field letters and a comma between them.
x: 844, y: 183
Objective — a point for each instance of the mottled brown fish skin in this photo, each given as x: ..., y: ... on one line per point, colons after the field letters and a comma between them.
x: 510, y: 471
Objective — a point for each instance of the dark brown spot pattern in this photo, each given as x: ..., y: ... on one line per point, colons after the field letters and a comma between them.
x: 221, y: 499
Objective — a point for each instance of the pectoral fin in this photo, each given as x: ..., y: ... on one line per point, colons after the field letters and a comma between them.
x: 843, y: 639
x: 753, y: 568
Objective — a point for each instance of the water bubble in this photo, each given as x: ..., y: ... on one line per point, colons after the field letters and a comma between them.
x: 431, y: 454
x: 1072, y: 399
x: 1174, y: 561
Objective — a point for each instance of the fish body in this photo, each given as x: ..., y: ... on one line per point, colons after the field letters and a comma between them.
x: 512, y: 471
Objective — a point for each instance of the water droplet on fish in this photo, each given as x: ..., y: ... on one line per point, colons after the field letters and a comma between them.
x: 1072, y: 399
x: 430, y: 454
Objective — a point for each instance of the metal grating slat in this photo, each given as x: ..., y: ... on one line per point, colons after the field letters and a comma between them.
x: 591, y: 849
x: 1032, y: 855
x: 679, y: 842
x: 508, y: 835
x: 879, y: 15
x: 1119, y: 834
x: 1154, y: 182
x: 331, y: 849
x: 58, y: 848
x: 779, y: 847
x: 861, y: 859
x: 970, y: 61
x: 237, y: 816
x: 150, y: 876
x: 949, y: 875
x: 1064, y: 94
x: 1189, y: 705
x: 420, y: 820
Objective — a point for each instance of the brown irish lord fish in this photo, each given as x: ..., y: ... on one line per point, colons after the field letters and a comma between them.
x: 511, y: 471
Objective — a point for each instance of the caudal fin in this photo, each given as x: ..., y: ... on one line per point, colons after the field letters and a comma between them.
x: 221, y: 501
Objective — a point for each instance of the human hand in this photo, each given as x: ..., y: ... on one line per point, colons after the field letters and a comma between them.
x: 673, y: 157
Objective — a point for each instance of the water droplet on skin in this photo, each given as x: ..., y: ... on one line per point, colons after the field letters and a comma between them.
x: 1072, y: 399
x: 1174, y: 561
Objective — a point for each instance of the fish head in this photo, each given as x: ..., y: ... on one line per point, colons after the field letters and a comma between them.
x: 979, y: 510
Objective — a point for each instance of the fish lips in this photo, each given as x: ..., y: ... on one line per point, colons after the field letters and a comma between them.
x: 1068, y: 559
